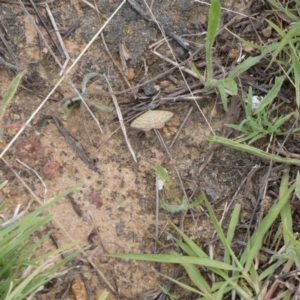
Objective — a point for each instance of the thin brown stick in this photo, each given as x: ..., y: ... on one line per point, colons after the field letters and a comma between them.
x: 11, y: 52
x: 80, y: 153
x: 47, y: 29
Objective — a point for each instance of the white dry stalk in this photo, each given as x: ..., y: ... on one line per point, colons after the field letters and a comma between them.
x: 60, y: 80
x: 23, y: 182
x: 175, y: 64
x: 36, y: 174
x: 89, y: 4
x: 62, y: 44
x: 120, y: 116
x: 182, y: 75
x: 16, y: 215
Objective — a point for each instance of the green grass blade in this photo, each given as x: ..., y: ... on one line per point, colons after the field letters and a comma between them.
x: 198, y: 74
x: 194, y: 247
x: 101, y: 106
x: 271, y: 95
x: 10, y: 92
x: 270, y: 270
x: 213, y: 25
x: 221, y: 293
x: 185, y: 286
x: 233, y: 283
x: 286, y: 12
x: 257, y: 137
x: 17, y: 250
x: 286, y: 211
x: 231, y: 230
x: 221, y: 234
x: 18, y: 226
x: 198, y: 279
x: 256, y: 239
x: 223, y: 95
x: 296, y: 71
x: 297, y: 188
x: 165, y: 258
x: 278, y: 123
x: 286, y: 40
x: 251, y: 61
x: 185, y: 248
x: 275, y: 27
x: 38, y: 277
x: 230, y: 85
x: 248, y: 105
x: 12, y: 244
x: 103, y: 295
x: 253, y: 150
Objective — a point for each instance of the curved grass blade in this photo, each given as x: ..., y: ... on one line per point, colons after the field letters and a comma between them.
x: 253, y: 150
x: 86, y: 78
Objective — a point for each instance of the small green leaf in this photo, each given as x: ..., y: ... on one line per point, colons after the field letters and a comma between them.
x: 163, y: 175
x: 86, y: 78
x: 198, y: 74
x: 103, y: 295
x: 297, y: 188
x: 184, y: 204
x: 173, y: 208
x: 67, y: 109
x: 230, y: 85
x: 101, y: 106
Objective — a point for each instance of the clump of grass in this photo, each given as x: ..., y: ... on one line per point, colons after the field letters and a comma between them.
x: 221, y: 85
x: 237, y: 274
x: 259, y: 122
x: 22, y: 270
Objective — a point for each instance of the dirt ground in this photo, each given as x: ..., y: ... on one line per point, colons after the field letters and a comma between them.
x: 117, y: 201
